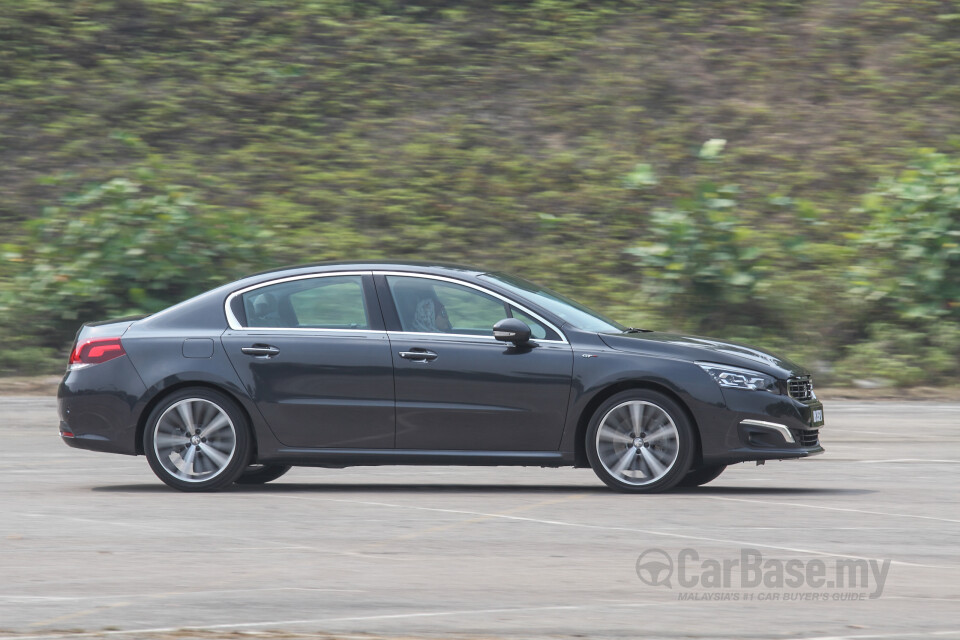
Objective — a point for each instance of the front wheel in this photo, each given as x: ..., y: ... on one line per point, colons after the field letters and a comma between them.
x: 197, y: 440
x: 640, y: 441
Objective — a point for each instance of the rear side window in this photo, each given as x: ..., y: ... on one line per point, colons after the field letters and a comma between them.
x: 334, y: 302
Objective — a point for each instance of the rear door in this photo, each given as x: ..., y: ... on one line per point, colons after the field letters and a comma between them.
x: 313, y: 354
x: 457, y: 388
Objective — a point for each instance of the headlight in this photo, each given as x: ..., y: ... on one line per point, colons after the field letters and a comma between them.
x: 737, y: 378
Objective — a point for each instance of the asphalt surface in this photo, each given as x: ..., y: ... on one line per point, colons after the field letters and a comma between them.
x: 93, y: 545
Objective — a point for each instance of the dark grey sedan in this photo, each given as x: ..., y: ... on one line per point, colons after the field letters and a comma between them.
x: 337, y: 365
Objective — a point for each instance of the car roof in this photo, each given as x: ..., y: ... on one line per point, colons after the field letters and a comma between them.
x: 415, y: 266
x: 206, y: 309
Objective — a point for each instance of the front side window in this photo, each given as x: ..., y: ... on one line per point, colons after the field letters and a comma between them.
x: 334, y: 302
x: 435, y: 306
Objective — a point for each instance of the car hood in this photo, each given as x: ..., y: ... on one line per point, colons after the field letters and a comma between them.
x: 696, y: 348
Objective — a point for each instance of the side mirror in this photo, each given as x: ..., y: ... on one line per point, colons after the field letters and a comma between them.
x: 512, y: 330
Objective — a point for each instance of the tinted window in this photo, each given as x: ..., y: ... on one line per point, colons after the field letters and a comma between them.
x: 470, y: 310
x: 334, y: 302
x: 537, y: 330
x: 570, y: 310
x: 434, y: 306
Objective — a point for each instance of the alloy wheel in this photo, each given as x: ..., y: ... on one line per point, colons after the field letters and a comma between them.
x: 194, y: 440
x: 637, y: 442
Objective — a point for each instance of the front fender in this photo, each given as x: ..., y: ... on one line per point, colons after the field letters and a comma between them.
x: 597, y: 373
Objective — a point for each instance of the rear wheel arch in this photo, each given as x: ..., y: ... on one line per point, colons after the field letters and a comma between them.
x: 583, y: 422
x: 192, y: 384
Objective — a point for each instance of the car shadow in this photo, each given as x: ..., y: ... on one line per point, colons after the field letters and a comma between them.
x: 397, y: 488
x: 770, y: 491
x: 372, y: 487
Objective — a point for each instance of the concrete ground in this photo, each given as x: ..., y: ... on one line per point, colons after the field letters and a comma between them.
x: 93, y: 545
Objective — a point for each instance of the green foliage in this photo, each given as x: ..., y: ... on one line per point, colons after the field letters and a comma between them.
x: 714, y: 265
x: 704, y: 256
x: 497, y: 133
x: 907, y: 282
x: 117, y: 250
x: 912, y: 245
x: 925, y: 352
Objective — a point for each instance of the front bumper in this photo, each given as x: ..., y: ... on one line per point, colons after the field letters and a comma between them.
x: 765, y: 426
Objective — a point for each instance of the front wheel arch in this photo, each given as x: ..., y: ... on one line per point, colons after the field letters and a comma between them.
x: 640, y: 441
x: 583, y: 422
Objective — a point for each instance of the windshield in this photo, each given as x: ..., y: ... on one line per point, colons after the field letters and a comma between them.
x: 573, y: 312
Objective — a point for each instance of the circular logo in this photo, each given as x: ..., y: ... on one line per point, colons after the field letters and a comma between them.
x: 654, y: 567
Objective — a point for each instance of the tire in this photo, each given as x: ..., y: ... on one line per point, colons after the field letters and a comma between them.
x: 640, y: 441
x: 702, y: 475
x: 262, y: 473
x: 216, y: 453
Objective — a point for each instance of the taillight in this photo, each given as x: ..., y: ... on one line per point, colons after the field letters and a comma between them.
x: 95, y: 351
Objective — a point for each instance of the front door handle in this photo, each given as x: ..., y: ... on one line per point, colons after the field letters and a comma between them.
x: 260, y: 350
x: 419, y: 356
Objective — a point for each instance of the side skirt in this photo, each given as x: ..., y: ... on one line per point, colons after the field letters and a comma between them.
x: 373, y: 457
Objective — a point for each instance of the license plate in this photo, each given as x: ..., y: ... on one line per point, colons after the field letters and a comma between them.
x: 817, y: 418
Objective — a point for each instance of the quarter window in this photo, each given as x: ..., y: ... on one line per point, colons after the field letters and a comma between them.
x: 334, y: 302
x: 537, y: 330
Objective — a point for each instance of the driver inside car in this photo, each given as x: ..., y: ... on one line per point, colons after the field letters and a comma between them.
x: 430, y: 316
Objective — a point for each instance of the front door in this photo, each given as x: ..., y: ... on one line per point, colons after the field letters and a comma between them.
x: 457, y: 388
x: 314, y: 356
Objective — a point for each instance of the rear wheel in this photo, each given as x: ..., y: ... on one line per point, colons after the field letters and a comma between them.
x: 262, y: 473
x: 702, y: 475
x: 197, y: 440
x: 640, y: 441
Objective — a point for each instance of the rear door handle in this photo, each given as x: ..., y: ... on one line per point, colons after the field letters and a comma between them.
x: 419, y: 356
x: 260, y: 350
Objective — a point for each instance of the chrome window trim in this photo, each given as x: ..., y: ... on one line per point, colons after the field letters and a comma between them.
x: 274, y: 330
x: 234, y: 324
x: 535, y: 316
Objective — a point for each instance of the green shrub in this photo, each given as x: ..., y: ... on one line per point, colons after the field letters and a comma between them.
x: 707, y: 260
x: 911, y: 249
x: 702, y: 256
x: 118, y: 249
x: 924, y: 353
x: 907, y: 284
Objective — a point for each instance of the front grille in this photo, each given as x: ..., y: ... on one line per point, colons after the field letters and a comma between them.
x: 800, y: 388
x: 807, y: 438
